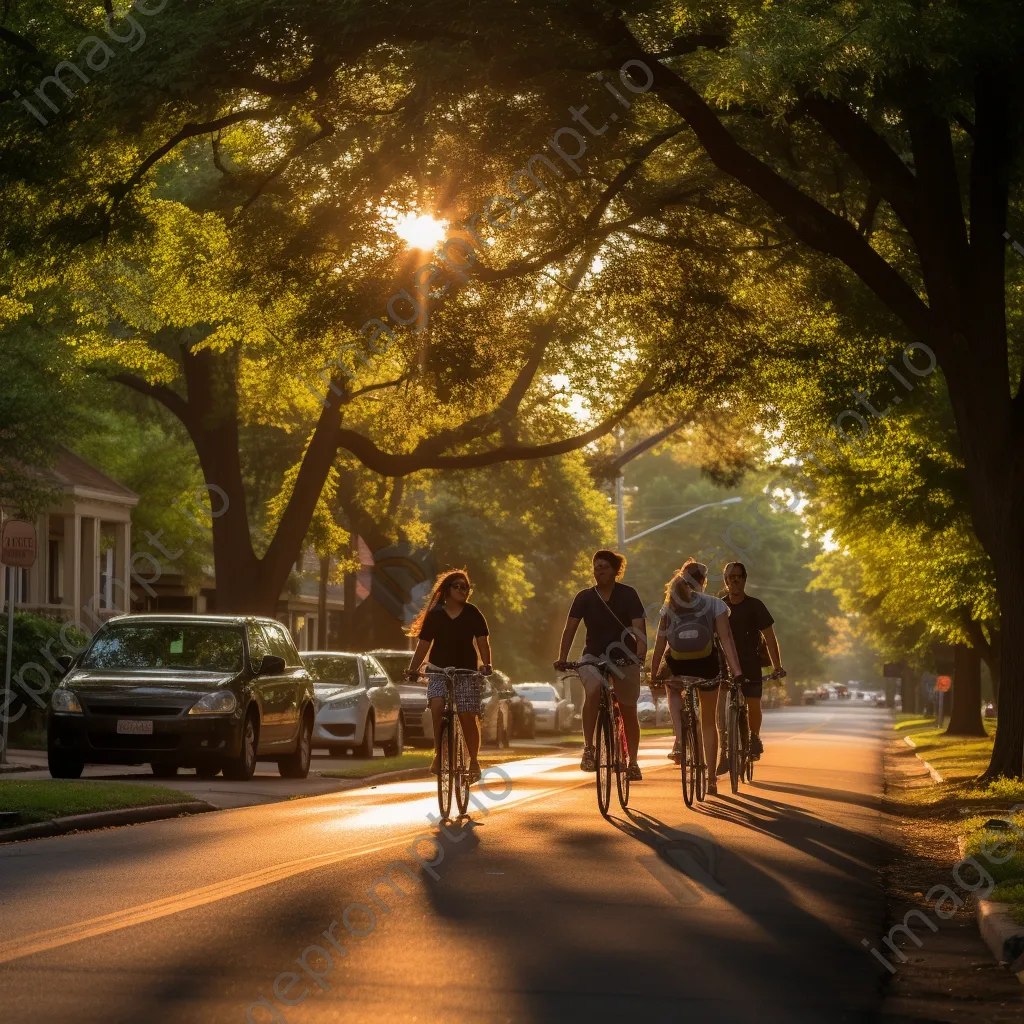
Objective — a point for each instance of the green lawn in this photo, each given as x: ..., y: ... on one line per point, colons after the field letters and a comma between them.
x: 960, y: 760
x: 44, y: 799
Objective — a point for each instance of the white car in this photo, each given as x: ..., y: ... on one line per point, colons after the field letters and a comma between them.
x: 553, y: 712
x: 652, y: 712
x: 357, y: 705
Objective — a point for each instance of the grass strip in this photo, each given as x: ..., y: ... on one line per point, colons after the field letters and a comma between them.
x: 44, y: 799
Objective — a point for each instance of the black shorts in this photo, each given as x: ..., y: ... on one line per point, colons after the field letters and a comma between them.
x: 704, y: 668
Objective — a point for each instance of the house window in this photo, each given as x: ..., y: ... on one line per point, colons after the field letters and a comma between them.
x: 55, y: 573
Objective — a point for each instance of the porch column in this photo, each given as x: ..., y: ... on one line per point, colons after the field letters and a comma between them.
x: 89, y: 597
x: 121, y: 587
x: 72, y: 565
x: 37, y: 575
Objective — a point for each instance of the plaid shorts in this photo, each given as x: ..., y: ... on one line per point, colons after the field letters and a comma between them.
x: 467, y: 690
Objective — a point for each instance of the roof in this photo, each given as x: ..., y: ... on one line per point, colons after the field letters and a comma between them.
x: 77, y: 476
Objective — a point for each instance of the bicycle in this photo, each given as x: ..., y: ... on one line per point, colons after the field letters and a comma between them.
x: 611, y: 749
x: 741, y: 764
x: 453, y: 754
x: 694, y: 768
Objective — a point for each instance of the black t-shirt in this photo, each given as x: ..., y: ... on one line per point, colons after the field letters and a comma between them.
x: 746, y: 620
x: 606, y: 629
x: 453, y: 638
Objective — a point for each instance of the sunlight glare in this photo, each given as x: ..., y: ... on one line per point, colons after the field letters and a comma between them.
x: 419, y: 230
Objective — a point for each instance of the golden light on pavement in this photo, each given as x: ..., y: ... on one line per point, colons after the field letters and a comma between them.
x: 419, y: 230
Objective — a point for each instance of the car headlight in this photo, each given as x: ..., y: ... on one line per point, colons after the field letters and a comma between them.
x: 344, y: 699
x: 65, y: 702
x: 220, y: 702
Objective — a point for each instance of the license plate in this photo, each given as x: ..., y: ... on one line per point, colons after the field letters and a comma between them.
x: 134, y: 727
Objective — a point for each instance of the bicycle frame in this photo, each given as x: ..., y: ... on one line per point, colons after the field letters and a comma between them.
x: 694, y: 769
x: 740, y: 765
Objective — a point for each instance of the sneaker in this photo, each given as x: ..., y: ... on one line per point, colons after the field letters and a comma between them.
x: 588, y: 763
x: 712, y: 787
x: 723, y: 766
x: 435, y: 765
x: 474, y: 771
x: 633, y: 773
x: 756, y: 747
x: 677, y: 752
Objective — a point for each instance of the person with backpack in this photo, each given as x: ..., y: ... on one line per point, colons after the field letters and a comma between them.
x: 694, y: 628
x: 616, y: 647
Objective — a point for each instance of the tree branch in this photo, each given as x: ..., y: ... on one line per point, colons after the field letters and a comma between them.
x: 169, y: 399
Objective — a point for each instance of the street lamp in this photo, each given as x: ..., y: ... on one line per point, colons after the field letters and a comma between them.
x: 675, y: 519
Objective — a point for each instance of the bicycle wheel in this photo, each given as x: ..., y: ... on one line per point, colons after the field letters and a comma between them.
x: 445, y: 774
x: 748, y: 762
x: 697, y: 734
x: 461, y: 769
x: 735, y: 755
x: 688, y: 758
x: 604, y: 761
x: 621, y: 763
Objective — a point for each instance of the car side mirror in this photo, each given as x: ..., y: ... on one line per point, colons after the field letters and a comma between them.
x: 272, y: 665
x: 65, y: 661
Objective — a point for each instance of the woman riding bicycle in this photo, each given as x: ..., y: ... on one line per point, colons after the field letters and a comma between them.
x: 447, y: 627
x: 694, y: 626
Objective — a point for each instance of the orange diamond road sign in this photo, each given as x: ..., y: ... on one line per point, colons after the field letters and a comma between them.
x: 943, y: 683
x: 18, y: 546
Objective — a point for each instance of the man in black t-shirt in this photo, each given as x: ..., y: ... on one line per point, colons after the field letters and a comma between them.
x: 750, y: 620
x: 616, y: 643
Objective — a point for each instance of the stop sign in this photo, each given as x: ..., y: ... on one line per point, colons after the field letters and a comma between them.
x: 18, y: 546
x: 943, y: 683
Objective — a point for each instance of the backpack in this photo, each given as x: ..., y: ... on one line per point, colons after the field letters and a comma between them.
x: 690, y: 632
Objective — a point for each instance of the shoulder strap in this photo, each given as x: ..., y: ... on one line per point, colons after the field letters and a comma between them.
x: 611, y: 611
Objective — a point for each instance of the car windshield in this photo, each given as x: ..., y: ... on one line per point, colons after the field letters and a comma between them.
x: 331, y: 670
x: 197, y: 647
x: 537, y: 692
x: 395, y: 664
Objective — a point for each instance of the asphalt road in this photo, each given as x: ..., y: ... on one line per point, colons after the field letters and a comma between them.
x: 750, y: 908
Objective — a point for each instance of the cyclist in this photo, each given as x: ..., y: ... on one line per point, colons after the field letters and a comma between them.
x: 447, y: 627
x: 751, y: 621
x: 694, y: 626
x: 616, y: 644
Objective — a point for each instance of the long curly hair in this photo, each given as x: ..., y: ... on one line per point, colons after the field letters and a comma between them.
x: 442, y: 587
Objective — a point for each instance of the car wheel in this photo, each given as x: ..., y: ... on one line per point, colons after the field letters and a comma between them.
x: 163, y: 770
x: 296, y: 766
x: 394, y: 747
x: 365, y: 749
x: 500, y: 733
x: 531, y: 733
x: 242, y: 767
x: 64, y: 766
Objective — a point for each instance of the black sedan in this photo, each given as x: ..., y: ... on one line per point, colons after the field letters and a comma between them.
x: 206, y: 692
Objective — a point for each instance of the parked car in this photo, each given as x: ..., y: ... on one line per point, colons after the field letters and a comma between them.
x: 809, y: 696
x: 419, y: 728
x: 496, y: 698
x: 357, y: 705
x: 553, y: 713
x: 183, y: 691
x: 651, y: 712
x: 523, y: 723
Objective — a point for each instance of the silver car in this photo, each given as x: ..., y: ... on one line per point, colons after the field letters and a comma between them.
x: 357, y: 705
x: 419, y: 728
x: 652, y: 712
x: 553, y: 712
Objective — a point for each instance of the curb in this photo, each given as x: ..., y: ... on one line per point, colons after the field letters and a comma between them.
x: 999, y: 931
x: 401, y: 775
x: 936, y: 777
x: 1002, y: 935
x: 103, y: 819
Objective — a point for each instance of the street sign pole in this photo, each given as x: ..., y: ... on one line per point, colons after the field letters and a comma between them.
x: 938, y: 717
x: 12, y: 584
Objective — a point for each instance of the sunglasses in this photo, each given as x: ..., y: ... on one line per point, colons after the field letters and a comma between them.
x: 461, y: 586
x: 734, y: 576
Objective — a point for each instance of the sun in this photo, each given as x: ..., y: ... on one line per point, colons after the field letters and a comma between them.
x: 418, y: 230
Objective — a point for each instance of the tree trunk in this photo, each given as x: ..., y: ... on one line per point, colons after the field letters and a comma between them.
x: 1008, y: 750
x: 965, y: 717
x: 910, y: 690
